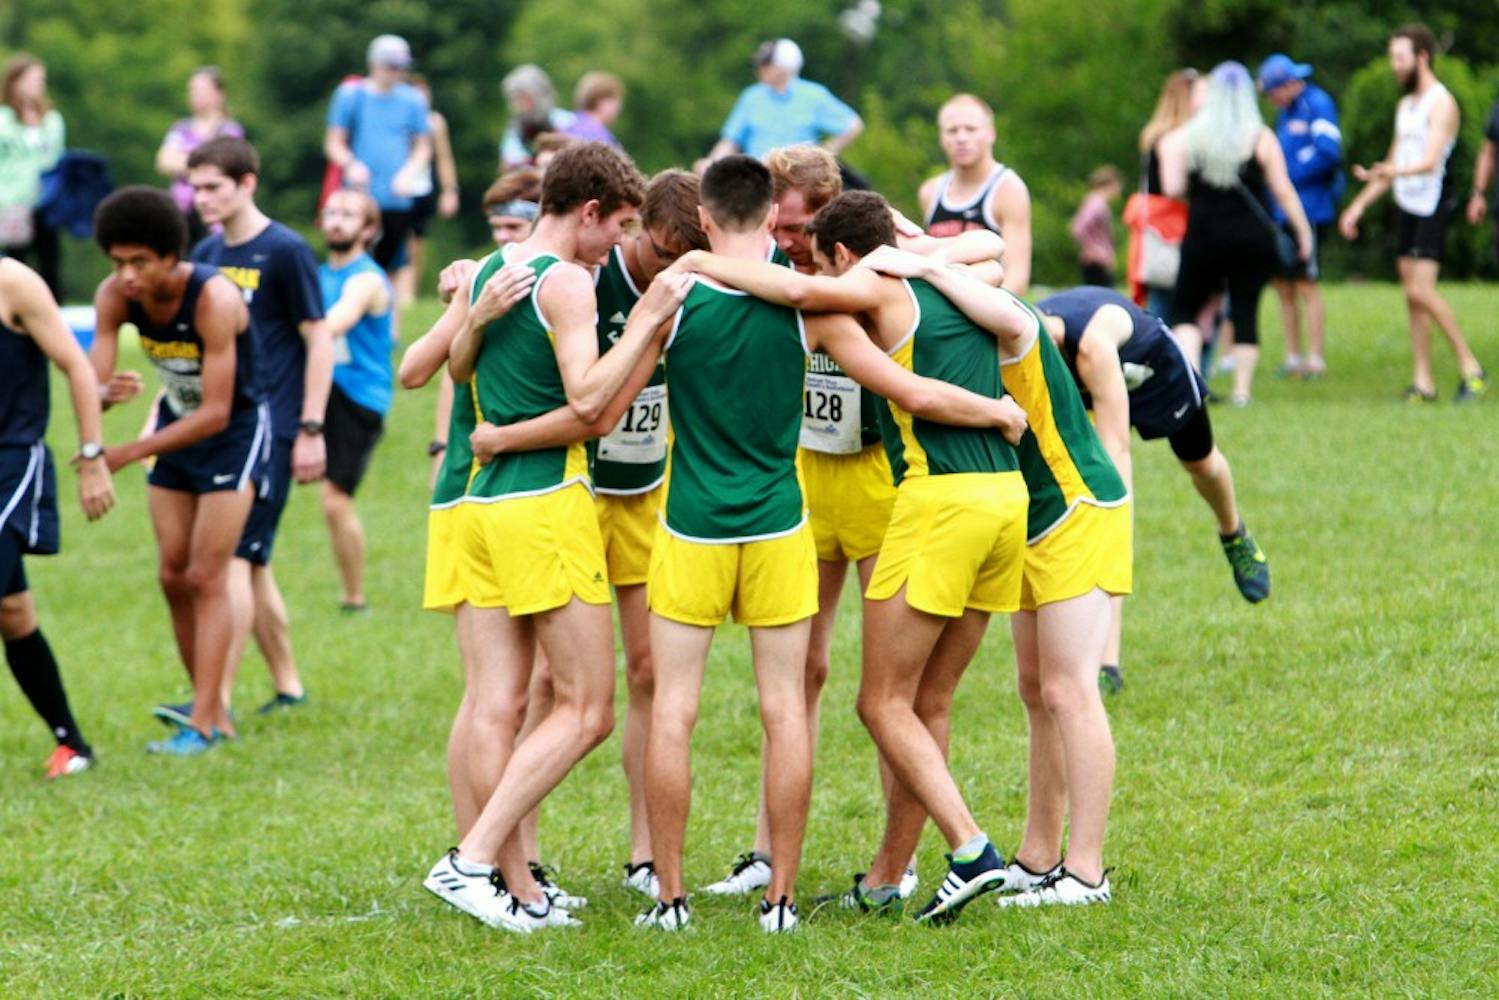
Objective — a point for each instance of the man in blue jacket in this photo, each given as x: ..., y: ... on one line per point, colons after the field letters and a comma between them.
x: 1307, y: 127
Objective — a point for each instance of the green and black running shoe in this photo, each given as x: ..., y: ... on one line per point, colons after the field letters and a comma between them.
x: 880, y: 899
x: 1110, y: 680
x: 1251, y: 569
x: 1471, y: 388
x: 1419, y: 396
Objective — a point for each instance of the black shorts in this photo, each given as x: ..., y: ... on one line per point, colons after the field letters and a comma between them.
x: 1422, y: 237
x: 389, y: 250
x: 1309, y: 269
x: 28, y: 498
x: 422, y: 211
x: 1193, y: 440
x: 259, y: 536
x: 12, y: 572
x: 351, y: 433
x: 230, y: 460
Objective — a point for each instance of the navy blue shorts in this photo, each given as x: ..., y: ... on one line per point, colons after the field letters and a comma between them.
x: 230, y: 460
x: 265, y: 515
x: 28, y: 498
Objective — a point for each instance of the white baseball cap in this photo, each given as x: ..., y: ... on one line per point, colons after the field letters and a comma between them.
x: 390, y: 50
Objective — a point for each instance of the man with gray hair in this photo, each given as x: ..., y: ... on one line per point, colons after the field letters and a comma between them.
x: 784, y: 110
x: 533, y: 110
x: 378, y: 135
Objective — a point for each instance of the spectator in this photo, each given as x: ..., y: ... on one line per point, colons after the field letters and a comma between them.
x: 378, y: 134
x: 1307, y: 127
x: 209, y: 120
x: 1158, y: 223
x: 533, y: 110
x: 511, y: 205
x: 1223, y: 161
x: 784, y: 110
x: 31, y: 143
x: 1093, y: 226
x: 597, y: 102
x: 547, y: 145
x: 441, y: 197
x: 1483, y: 174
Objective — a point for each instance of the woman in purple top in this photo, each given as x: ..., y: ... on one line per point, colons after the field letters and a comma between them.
x: 210, y: 120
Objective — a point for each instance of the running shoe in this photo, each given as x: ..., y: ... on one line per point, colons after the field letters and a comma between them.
x: 174, y: 714
x: 1291, y: 369
x: 1061, y: 888
x: 281, y: 702
x: 1110, y: 680
x: 65, y: 760
x: 965, y: 882
x: 672, y: 916
x: 880, y: 899
x: 908, y: 882
x: 777, y: 919
x: 1019, y: 878
x: 478, y: 895
x: 1247, y: 559
x: 642, y: 878
x: 185, y: 742
x: 1471, y: 387
x: 751, y: 871
x: 1418, y: 396
x: 351, y: 609
x: 1315, y: 368
x: 554, y: 892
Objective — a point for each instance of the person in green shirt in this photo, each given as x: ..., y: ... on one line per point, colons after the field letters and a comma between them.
x: 31, y: 142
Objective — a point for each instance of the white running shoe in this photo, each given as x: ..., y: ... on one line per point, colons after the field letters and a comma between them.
x: 476, y: 895
x: 751, y: 871
x: 672, y: 916
x: 527, y: 918
x: 777, y: 919
x: 1019, y: 878
x: 908, y: 882
x: 1061, y: 888
x: 642, y: 878
x: 554, y: 892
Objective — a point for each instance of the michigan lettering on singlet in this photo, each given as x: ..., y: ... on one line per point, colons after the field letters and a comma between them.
x: 176, y: 350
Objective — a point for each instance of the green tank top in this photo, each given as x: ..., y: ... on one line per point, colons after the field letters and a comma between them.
x: 516, y: 378
x: 735, y: 366
x: 458, y: 458
x: 631, y: 458
x: 944, y: 344
x: 1063, y: 460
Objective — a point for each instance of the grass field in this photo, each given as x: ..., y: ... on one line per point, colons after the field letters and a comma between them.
x: 1307, y: 798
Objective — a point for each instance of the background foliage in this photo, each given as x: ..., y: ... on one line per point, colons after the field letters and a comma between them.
x: 1072, y: 81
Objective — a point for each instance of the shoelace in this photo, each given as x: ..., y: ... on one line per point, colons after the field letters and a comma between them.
x: 744, y: 861
x: 1241, y: 554
x: 543, y: 875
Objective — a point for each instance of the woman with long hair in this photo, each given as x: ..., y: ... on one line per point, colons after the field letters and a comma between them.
x: 208, y: 102
x: 1227, y: 164
x: 1156, y: 222
x: 32, y: 139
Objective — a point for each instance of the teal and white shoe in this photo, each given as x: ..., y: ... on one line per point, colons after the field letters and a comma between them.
x: 185, y: 742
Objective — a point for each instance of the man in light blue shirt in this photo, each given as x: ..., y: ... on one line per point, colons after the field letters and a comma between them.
x: 379, y: 135
x: 784, y: 110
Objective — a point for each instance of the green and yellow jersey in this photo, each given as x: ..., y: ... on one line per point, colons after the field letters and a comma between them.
x: 631, y: 458
x: 458, y: 458
x: 1063, y: 460
x: 516, y: 378
x: 944, y: 344
x: 735, y: 367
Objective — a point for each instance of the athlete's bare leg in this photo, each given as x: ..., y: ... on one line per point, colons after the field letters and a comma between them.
x: 1290, y: 318
x: 680, y: 655
x: 347, y: 536
x: 635, y: 624
x: 1115, y: 646
x: 539, y: 699
x: 1246, y: 359
x: 1214, y: 482
x: 780, y: 655
x: 1046, y: 797
x: 1425, y: 303
x: 196, y: 582
x: 1310, y: 293
x: 579, y: 643
x: 273, y: 631
x: 905, y: 817
x: 898, y: 641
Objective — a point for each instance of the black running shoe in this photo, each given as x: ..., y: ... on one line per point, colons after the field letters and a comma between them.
x: 965, y: 882
x: 281, y: 702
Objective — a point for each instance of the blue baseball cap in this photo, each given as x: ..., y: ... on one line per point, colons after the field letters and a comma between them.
x: 1279, y: 69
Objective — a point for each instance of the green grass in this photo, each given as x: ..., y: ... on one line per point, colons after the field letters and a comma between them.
x: 1306, y: 798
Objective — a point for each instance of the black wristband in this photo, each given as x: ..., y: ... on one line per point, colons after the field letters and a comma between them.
x: 436, y: 447
x: 313, y: 427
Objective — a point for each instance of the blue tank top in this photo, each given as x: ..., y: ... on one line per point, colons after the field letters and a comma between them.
x: 24, y: 398
x: 361, y: 358
x: 176, y: 349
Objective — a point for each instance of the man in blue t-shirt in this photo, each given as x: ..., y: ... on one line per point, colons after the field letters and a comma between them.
x: 784, y: 110
x: 1307, y: 127
x: 378, y: 134
x: 359, y: 300
x: 276, y: 271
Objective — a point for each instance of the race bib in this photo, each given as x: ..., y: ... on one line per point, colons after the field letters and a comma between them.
x: 184, y: 390
x: 640, y: 436
x: 831, y: 415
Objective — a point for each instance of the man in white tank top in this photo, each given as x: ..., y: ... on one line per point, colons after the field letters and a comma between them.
x: 1426, y: 128
x: 977, y: 192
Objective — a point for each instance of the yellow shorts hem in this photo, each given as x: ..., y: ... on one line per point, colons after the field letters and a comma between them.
x: 1092, y: 549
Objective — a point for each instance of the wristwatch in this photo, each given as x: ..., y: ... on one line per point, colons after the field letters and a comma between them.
x: 313, y: 427
x: 90, y: 450
x: 436, y: 447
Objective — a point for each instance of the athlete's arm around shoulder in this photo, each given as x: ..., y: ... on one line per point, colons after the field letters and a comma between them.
x: 849, y: 292
x: 1098, y: 366
x: 34, y: 312
x: 220, y: 318
x: 975, y: 246
x: 502, y: 291
x: 569, y: 306
x: 931, y: 399
x: 994, y: 309
x: 429, y: 352
x: 1010, y: 203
